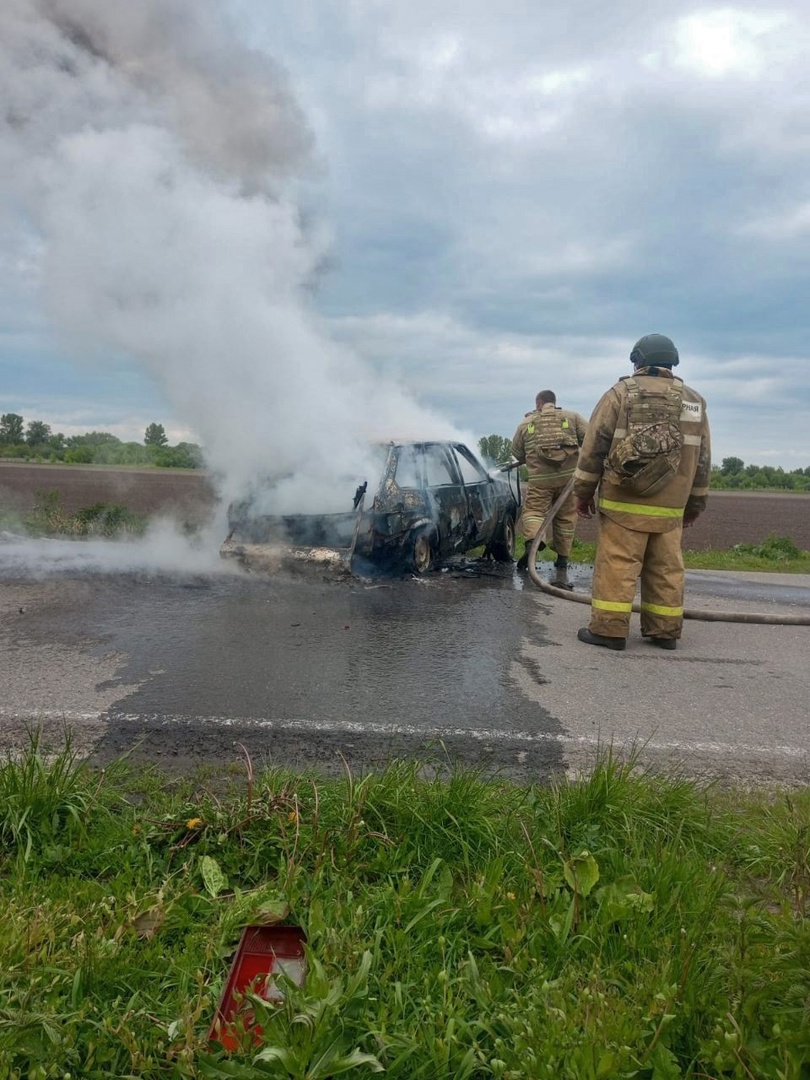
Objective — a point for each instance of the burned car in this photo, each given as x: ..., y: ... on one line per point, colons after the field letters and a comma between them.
x: 429, y: 501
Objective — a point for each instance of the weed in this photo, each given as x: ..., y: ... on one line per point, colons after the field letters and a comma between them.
x: 45, y: 803
x: 50, y: 518
x: 623, y: 924
x: 773, y: 548
x: 109, y: 519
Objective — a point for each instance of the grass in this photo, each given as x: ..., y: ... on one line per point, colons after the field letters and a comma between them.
x: 775, y: 554
x: 49, y: 518
x: 623, y: 925
x: 109, y: 520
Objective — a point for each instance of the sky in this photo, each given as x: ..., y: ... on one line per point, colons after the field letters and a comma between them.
x: 398, y: 217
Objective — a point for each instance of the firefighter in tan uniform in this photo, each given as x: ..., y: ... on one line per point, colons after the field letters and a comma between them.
x: 648, y: 451
x: 547, y: 442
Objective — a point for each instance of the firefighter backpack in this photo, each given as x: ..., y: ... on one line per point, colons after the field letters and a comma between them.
x: 648, y: 456
x: 556, y: 436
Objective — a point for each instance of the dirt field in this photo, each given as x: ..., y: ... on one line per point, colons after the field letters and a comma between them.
x: 185, y: 494
x: 735, y: 517
x: 732, y: 518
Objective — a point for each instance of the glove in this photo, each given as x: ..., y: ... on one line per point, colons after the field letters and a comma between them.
x: 585, y: 507
x: 690, y: 517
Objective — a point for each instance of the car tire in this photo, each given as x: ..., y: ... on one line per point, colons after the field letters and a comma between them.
x: 503, y: 548
x: 422, y: 554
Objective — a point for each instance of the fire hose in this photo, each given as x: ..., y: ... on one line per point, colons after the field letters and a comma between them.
x: 688, y: 613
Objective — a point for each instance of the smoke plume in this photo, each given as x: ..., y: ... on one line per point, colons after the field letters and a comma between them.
x: 157, y: 158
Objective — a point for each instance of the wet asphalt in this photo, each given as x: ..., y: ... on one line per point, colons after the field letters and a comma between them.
x: 470, y: 665
x: 300, y: 671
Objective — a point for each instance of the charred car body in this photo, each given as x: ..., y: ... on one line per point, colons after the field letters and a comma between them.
x: 431, y: 500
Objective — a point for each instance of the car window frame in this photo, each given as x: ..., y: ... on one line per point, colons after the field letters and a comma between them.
x: 467, y: 454
x: 445, y: 451
x: 413, y: 450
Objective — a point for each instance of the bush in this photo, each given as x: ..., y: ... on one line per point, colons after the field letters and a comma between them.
x: 775, y: 548
x: 108, y: 519
x: 50, y: 518
x: 79, y: 455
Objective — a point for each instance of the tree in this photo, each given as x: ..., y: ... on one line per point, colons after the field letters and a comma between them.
x: 731, y: 466
x: 11, y: 429
x: 182, y: 456
x: 155, y: 435
x: 122, y: 453
x: 79, y: 455
x: 93, y: 438
x: 38, y: 433
x: 495, y: 448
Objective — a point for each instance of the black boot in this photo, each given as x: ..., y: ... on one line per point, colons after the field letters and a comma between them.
x: 560, y: 579
x: 523, y: 561
x: 668, y: 643
x: 618, y: 644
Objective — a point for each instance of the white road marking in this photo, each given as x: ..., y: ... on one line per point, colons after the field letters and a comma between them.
x: 389, y: 730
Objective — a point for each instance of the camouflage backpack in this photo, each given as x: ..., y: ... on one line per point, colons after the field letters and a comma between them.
x: 555, y: 435
x: 648, y: 456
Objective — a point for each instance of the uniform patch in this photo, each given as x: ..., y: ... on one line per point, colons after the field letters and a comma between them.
x: 691, y: 410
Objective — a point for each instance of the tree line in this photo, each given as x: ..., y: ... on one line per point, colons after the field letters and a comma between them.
x: 734, y: 473
x: 731, y: 474
x: 35, y: 441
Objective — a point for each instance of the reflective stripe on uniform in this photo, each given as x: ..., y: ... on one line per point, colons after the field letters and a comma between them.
x: 699, y: 492
x: 589, y: 477
x: 660, y: 609
x: 644, y: 509
x: 610, y: 605
x: 692, y: 440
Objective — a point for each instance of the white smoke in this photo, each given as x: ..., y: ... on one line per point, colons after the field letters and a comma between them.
x: 163, y: 550
x: 157, y: 157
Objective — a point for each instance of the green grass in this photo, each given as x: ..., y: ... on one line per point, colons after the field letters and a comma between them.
x: 776, y: 553
x: 48, y: 517
x: 624, y: 925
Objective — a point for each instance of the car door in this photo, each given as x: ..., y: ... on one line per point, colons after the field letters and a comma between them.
x: 482, y: 499
x: 446, y: 494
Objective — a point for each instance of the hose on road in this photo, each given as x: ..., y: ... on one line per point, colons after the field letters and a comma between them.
x: 761, y: 617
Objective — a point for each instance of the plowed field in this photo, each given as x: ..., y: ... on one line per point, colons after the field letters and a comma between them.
x: 732, y: 518
x: 735, y: 517
x: 182, y: 493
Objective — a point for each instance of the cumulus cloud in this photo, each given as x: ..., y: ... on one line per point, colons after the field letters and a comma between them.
x: 727, y: 41
x: 666, y: 195
x: 517, y: 191
x: 158, y: 160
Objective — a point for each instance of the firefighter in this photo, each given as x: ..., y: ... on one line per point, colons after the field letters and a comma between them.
x: 648, y: 451
x: 547, y: 442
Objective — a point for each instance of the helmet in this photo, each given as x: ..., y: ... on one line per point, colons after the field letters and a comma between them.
x: 654, y: 349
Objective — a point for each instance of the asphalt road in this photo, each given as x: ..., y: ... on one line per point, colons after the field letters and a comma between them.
x: 177, y: 658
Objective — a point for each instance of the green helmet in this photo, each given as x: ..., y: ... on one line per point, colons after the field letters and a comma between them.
x: 654, y: 350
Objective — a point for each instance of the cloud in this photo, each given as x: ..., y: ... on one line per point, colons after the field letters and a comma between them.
x: 520, y: 191
x: 156, y: 158
x: 727, y: 41
x: 490, y: 377
x: 791, y: 223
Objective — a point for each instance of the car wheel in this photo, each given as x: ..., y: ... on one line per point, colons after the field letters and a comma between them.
x: 503, y: 549
x: 422, y: 552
